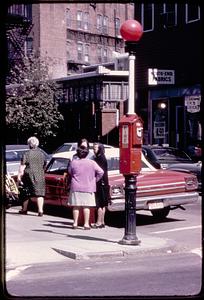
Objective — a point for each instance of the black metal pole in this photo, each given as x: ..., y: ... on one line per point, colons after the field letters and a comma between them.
x: 130, y: 237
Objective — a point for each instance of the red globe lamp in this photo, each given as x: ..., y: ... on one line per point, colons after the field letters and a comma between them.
x: 131, y: 31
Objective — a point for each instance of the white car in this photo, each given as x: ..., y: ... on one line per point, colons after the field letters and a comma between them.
x: 72, y: 146
x: 13, y: 157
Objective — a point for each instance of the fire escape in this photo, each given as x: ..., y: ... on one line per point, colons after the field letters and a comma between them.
x: 18, y: 27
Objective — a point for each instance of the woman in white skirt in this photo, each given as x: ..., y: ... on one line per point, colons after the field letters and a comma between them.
x: 84, y: 175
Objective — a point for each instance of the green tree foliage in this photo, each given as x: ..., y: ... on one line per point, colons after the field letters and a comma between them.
x: 31, y: 104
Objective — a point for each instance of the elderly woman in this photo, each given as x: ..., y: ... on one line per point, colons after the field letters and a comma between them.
x: 31, y: 176
x: 84, y: 174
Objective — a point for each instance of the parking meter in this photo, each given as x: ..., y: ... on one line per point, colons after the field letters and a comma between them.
x: 130, y: 139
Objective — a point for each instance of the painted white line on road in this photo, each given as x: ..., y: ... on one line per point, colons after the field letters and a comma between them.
x: 197, y: 251
x: 177, y: 229
x: 12, y: 273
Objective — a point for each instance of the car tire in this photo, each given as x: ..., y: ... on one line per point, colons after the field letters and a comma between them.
x: 160, y: 214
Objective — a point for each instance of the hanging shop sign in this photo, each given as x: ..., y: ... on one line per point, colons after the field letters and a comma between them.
x: 156, y: 76
x: 193, y: 103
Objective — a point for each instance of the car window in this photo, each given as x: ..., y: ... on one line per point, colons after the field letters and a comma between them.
x: 171, y: 154
x: 15, y: 155
x: 113, y: 163
x: 58, y: 166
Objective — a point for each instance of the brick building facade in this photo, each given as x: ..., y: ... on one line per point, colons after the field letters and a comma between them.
x: 76, y: 35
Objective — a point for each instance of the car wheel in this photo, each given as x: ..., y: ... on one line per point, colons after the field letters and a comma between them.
x: 160, y: 213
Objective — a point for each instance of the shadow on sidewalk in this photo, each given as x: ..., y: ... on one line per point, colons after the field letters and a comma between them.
x: 76, y: 236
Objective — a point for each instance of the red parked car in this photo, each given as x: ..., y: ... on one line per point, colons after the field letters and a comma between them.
x: 157, y: 190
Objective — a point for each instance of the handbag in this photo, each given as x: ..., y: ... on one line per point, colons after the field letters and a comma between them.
x: 24, y: 193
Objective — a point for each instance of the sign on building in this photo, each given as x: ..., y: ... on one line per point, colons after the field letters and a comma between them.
x: 156, y: 76
x: 159, y: 130
x: 193, y: 103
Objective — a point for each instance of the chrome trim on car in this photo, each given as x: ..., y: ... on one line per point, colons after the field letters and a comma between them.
x: 168, y: 200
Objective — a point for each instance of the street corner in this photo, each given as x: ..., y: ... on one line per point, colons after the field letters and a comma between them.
x: 87, y: 249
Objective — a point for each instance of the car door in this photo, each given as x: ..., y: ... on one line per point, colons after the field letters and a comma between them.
x: 56, y: 178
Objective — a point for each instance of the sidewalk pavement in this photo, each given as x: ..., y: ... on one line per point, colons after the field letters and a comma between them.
x: 30, y: 239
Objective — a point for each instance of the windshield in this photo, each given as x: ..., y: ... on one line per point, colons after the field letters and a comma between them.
x: 67, y: 147
x: 171, y: 154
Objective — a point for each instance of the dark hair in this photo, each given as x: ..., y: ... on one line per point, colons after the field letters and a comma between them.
x: 82, y: 152
x: 101, y: 149
x: 82, y: 141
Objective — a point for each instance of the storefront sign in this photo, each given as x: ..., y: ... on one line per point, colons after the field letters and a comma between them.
x: 159, y: 130
x: 156, y: 76
x: 193, y: 103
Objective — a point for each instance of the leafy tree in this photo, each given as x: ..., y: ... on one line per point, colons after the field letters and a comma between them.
x: 31, y: 103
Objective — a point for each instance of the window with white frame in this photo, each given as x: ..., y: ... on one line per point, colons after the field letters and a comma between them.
x: 192, y: 12
x: 86, y: 21
x: 106, y: 91
x: 105, y: 25
x: 79, y: 19
x: 28, y: 46
x: 147, y: 16
x: 169, y: 15
x: 115, y: 91
x: 99, y: 54
x: 105, y: 55
x: 99, y: 21
x: 79, y: 51
x: 86, y: 52
x: 117, y: 26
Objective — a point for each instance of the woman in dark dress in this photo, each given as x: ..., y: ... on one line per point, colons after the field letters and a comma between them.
x: 102, y: 186
x: 31, y: 176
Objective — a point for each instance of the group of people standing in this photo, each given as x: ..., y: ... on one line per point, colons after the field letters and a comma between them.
x: 88, y: 174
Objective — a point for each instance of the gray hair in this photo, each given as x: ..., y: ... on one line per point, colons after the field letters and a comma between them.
x: 33, y: 142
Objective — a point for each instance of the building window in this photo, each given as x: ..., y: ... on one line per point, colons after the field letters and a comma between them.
x: 105, y: 25
x: 105, y: 55
x: 117, y: 26
x: 86, y: 21
x: 29, y: 46
x: 99, y: 23
x: 68, y: 18
x: 169, y: 15
x: 147, y: 16
x: 22, y: 10
x: 192, y: 12
x: 28, y: 11
x: 99, y: 54
x: 86, y: 53
x: 68, y: 47
x: 79, y: 19
x: 79, y: 51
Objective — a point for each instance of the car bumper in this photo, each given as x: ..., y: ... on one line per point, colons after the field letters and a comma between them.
x: 156, y: 202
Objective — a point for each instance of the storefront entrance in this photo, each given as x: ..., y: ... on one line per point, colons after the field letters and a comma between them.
x: 173, y: 123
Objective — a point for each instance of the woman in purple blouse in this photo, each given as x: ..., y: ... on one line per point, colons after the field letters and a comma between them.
x: 84, y: 175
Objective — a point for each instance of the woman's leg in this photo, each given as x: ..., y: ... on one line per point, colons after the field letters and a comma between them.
x: 24, y: 207
x: 86, y: 211
x: 103, y: 216
x: 40, y: 203
x: 75, y: 215
x: 99, y: 216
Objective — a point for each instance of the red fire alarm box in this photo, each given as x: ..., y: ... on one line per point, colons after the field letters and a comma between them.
x: 130, y: 138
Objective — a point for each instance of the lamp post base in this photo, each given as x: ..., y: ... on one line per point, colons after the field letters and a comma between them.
x: 128, y: 241
x: 130, y: 237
